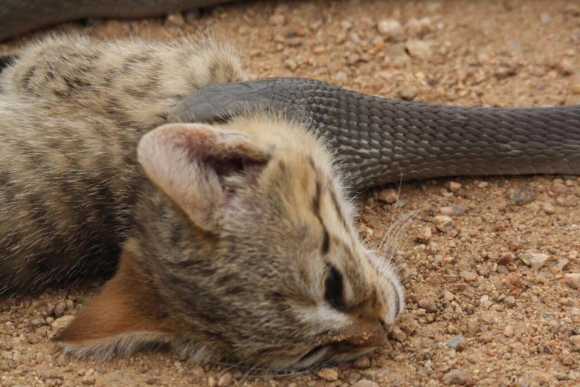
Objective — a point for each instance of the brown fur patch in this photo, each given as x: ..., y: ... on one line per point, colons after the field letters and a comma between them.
x: 127, y: 304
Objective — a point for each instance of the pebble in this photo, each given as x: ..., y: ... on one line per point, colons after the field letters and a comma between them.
x: 485, y: 301
x: 545, y: 18
x: 389, y: 196
x: 548, y: 208
x: 291, y: 64
x: 419, y: 27
x: 175, y: 19
x: 459, y: 377
x: 391, y: 29
x: 452, y: 210
x: 468, y: 276
x: 37, y: 322
x: 533, y: 259
x: 362, y: 363
x: 278, y: 19
x: 508, y: 331
x: 575, y: 340
x: 409, y: 93
x: 575, y: 88
x: 428, y: 303
x: 522, y: 196
x: 365, y: 383
x: 572, y: 280
x: 454, y: 186
x: 225, y: 380
x: 425, y: 235
x: 565, y: 67
x: 419, y: 49
x: 340, y: 76
x: 59, y: 309
x: 328, y: 374
x: 443, y: 223
x: 457, y: 343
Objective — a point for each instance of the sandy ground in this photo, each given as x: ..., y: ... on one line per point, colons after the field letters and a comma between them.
x: 491, y: 265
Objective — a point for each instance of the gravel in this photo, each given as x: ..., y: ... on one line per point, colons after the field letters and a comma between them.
x: 466, y: 53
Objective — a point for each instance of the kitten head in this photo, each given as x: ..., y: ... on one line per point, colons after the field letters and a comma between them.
x: 244, y: 251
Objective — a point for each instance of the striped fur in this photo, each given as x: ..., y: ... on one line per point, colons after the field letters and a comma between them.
x: 237, y: 242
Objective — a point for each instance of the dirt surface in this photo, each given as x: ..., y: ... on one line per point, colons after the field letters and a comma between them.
x: 491, y: 265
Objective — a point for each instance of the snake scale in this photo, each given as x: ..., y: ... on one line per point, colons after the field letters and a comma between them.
x: 377, y: 140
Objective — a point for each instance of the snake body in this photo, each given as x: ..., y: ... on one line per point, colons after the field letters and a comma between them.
x: 378, y: 141
x: 21, y: 16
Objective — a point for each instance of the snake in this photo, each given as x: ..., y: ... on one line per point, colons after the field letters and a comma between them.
x: 378, y: 140
x: 21, y: 16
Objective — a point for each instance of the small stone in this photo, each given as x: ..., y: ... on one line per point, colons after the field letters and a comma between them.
x: 389, y: 196
x: 225, y: 380
x: 459, y: 377
x: 482, y: 184
x: 452, y: 210
x: 506, y: 259
x: 575, y: 88
x: 456, y: 343
x: 59, y: 309
x: 175, y: 19
x: 454, y: 186
x: 572, y: 280
x: 62, y: 322
x: 485, y: 301
x: 419, y: 27
x: 545, y: 18
x: 443, y: 223
x: 506, y: 70
x: 565, y: 67
x: 418, y: 49
x: 408, y: 93
x: 548, y: 208
x: 362, y: 363
x: 522, y: 196
x: 533, y: 259
x: 510, y: 300
x: 278, y: 19
x: 468, y: 276
x: 328, y: 374
x: 508, y: 331
x: 291, y: 64
x: 37, y: 322
x: 365, y: 383
x: 425, y: 235
x: 340, y: 76
x: 398, y: 334
x: 88, y: 380
x: 391, y: 29
x: 428, y: 303
x: 561, y: 264
x: 575, y: 340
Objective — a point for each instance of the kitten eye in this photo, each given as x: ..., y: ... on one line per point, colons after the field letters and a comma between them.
x: 334, y: 288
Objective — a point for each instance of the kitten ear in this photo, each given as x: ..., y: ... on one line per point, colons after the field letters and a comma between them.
x: 126, y: 316
x: 191, y: 162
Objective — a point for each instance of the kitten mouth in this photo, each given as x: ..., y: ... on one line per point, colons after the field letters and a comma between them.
x: 330, y: 354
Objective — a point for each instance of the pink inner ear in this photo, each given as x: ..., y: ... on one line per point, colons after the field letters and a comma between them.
x: 190, y: 163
